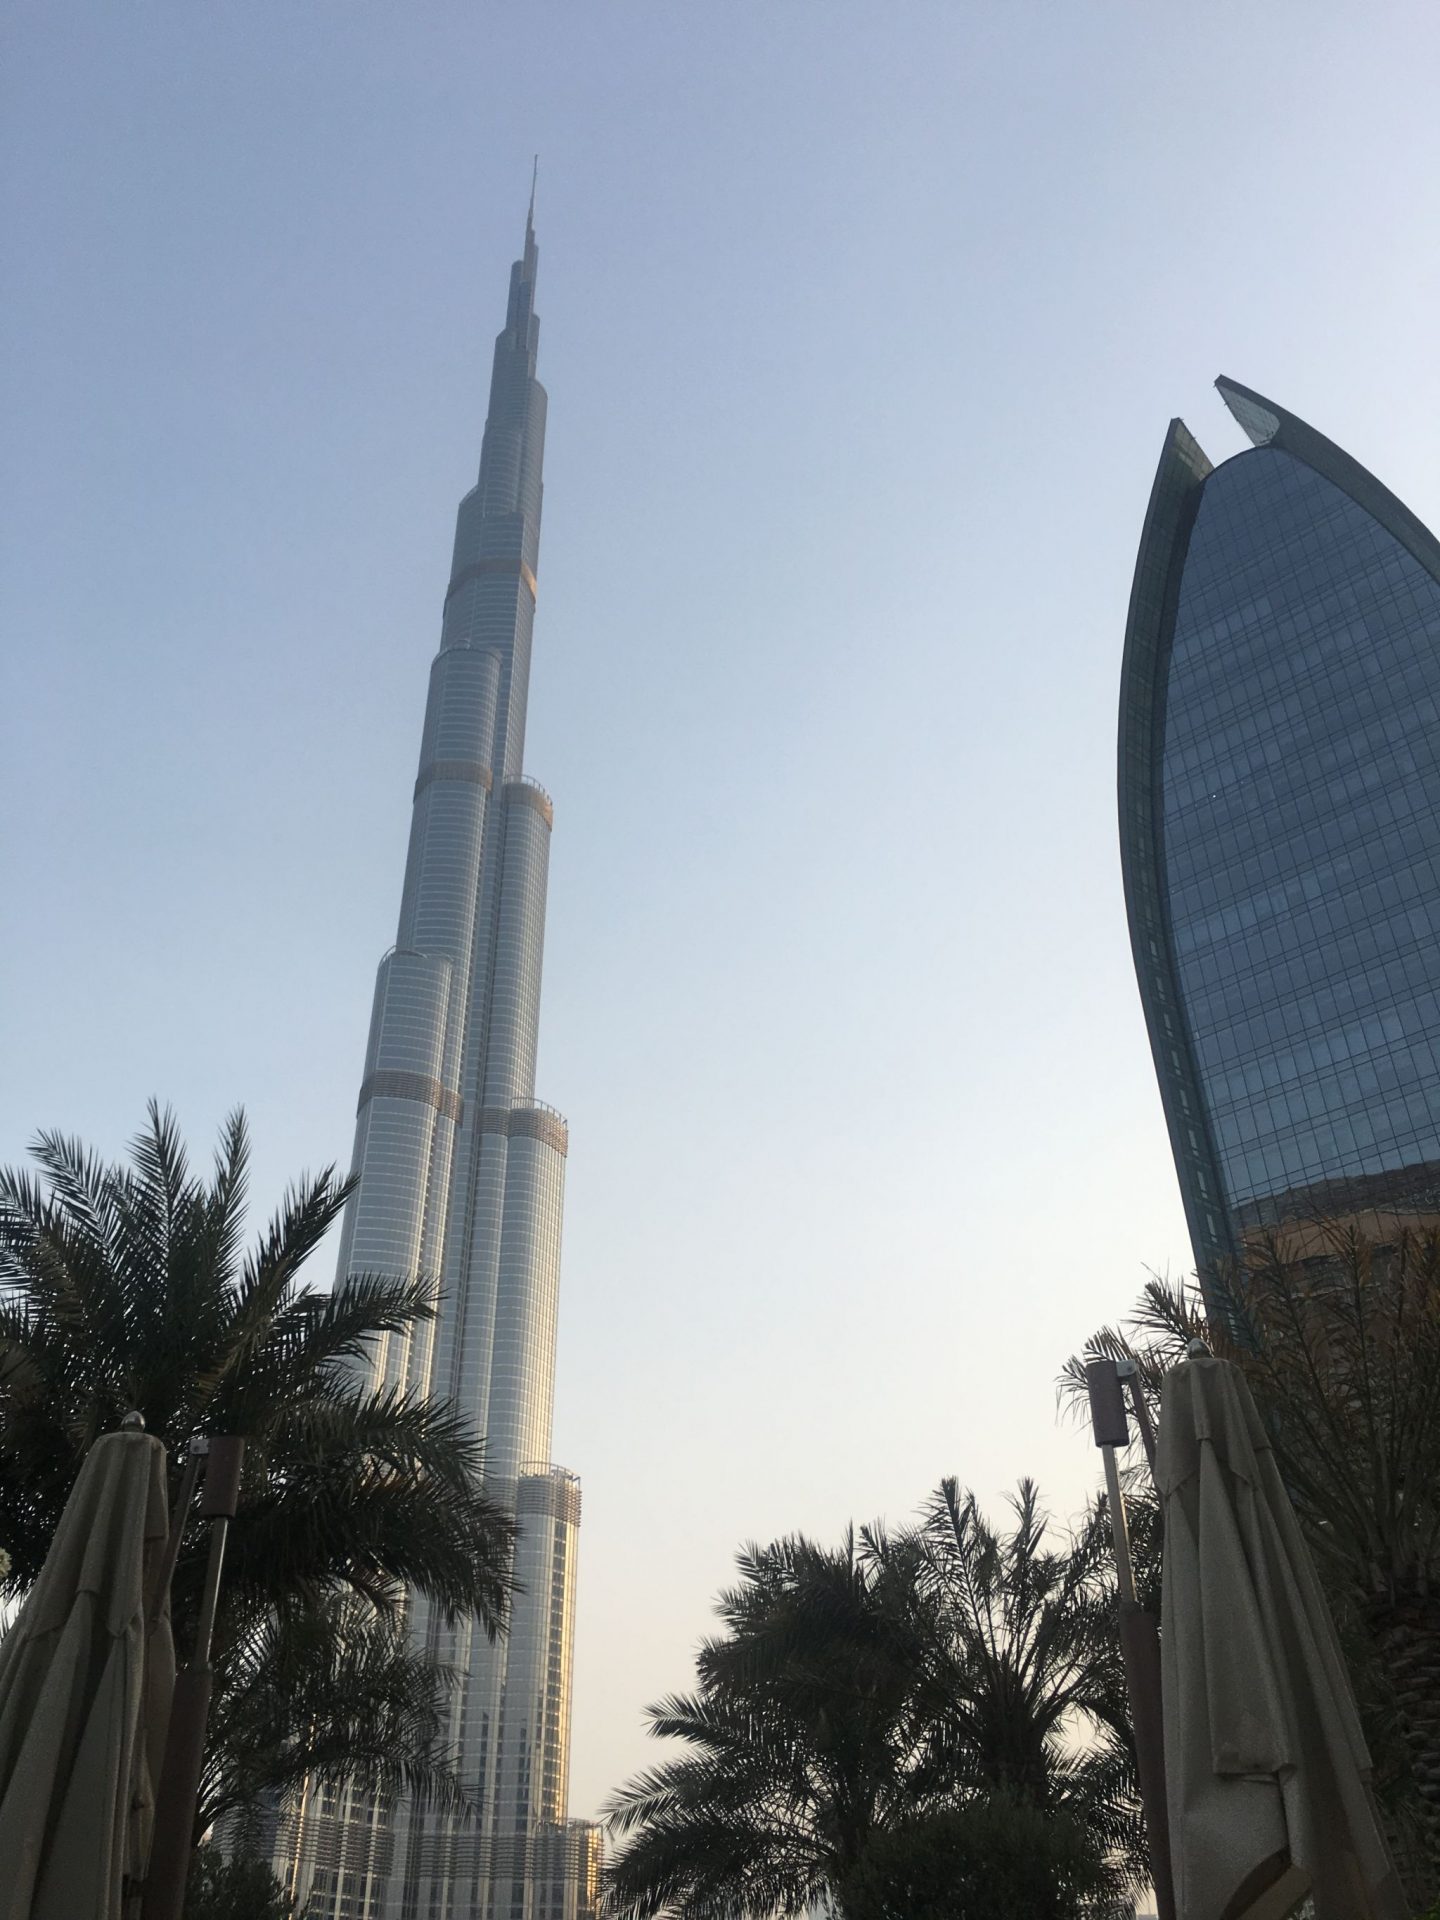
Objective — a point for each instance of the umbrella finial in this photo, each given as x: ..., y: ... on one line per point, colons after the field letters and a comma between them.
x: 1198, y: 1349
x: 133, y: 1422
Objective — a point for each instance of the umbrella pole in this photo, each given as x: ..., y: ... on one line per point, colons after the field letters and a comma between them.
x: 1130, y: 1374
x: 174, y: 1832
x: 1139, y: 1641
x: 165, y: 1572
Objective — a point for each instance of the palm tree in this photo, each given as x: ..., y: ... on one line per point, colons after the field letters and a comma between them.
x: 805, y: 1733
x: 226, y: 1888
x: 993, y: 1859
x: 1038, y: 1709
x: 1338, y: 1333
x: 333, y: 1694
x: 863, y: 1692
x: 127, y: 1287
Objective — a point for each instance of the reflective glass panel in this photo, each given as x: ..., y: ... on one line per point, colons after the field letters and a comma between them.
x: 1301, y: 793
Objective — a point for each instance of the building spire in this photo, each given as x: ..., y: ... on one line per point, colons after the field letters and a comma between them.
x: 520, y: 320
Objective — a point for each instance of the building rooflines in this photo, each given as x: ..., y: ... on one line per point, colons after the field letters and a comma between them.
x: 1182, y: 475
x: 1269, y: 425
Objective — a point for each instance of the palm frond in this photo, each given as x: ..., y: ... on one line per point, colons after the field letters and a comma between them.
x: 334, y: 1693
x: 127, y: 1286
x: 855, y: 1689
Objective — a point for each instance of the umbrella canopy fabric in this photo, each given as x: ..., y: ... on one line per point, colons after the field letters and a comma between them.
x: 85, y: 1683
x: 1266, y: 1764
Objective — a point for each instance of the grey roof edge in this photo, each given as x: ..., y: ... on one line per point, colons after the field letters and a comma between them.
x: 1302, y: 442
x: 1170, y: 514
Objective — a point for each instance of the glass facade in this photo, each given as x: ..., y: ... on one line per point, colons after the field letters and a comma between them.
x: 462, y: 1178
x: 1280, y: 807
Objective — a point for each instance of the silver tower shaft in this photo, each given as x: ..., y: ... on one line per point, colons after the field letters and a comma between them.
x: 462, y: 1176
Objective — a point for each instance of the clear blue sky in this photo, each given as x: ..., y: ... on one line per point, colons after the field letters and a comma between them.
x: 862, y: 326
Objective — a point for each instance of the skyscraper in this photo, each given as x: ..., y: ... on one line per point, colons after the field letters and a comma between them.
x: 461, y: 1177
x: 1280, y: 829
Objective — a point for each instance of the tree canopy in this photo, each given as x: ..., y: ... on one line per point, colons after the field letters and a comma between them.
x: 128, y: 1286
x: 858, y: 1694
x: 1336, y: 1326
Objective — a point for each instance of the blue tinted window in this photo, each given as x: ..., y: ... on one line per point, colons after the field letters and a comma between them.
x: 1301, y: 792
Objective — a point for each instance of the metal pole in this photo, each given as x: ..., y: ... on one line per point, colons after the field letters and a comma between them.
x: 1130, y: 1373
x: 1140, y: 1649
x: 1119, y: 1528
x: 1139, y: 1641
x: 165, y: 1572
x: 179, y: 1788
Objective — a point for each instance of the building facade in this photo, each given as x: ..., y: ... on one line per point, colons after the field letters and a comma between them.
x: 1279, y: 786
x: 462, y: 1177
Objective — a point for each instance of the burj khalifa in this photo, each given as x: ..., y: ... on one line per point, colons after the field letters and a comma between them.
x: 461, y: 1176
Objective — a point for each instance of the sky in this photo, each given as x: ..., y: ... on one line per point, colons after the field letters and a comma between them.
x: 861, y: 325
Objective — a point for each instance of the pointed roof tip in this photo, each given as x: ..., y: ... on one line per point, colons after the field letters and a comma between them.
x: 530, y: 212
x: 1253, y: 412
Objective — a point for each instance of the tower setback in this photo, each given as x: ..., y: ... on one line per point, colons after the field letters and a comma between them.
x: 461, y: 1176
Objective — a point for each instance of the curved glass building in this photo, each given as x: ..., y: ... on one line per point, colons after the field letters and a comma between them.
x: 1280, y: 829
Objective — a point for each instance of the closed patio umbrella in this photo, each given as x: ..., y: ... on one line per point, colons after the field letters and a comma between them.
x: 85, y: 1682
x: 1265, y: 1762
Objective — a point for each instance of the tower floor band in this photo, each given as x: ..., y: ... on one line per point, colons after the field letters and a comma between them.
x: 461, y: 1177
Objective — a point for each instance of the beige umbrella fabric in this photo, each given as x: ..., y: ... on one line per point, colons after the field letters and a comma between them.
x: 85, y: 1682
x: 1264, y: 1758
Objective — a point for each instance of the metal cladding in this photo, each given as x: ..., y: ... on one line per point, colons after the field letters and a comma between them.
x: 1279, y: 785
x: 462, y: 1178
